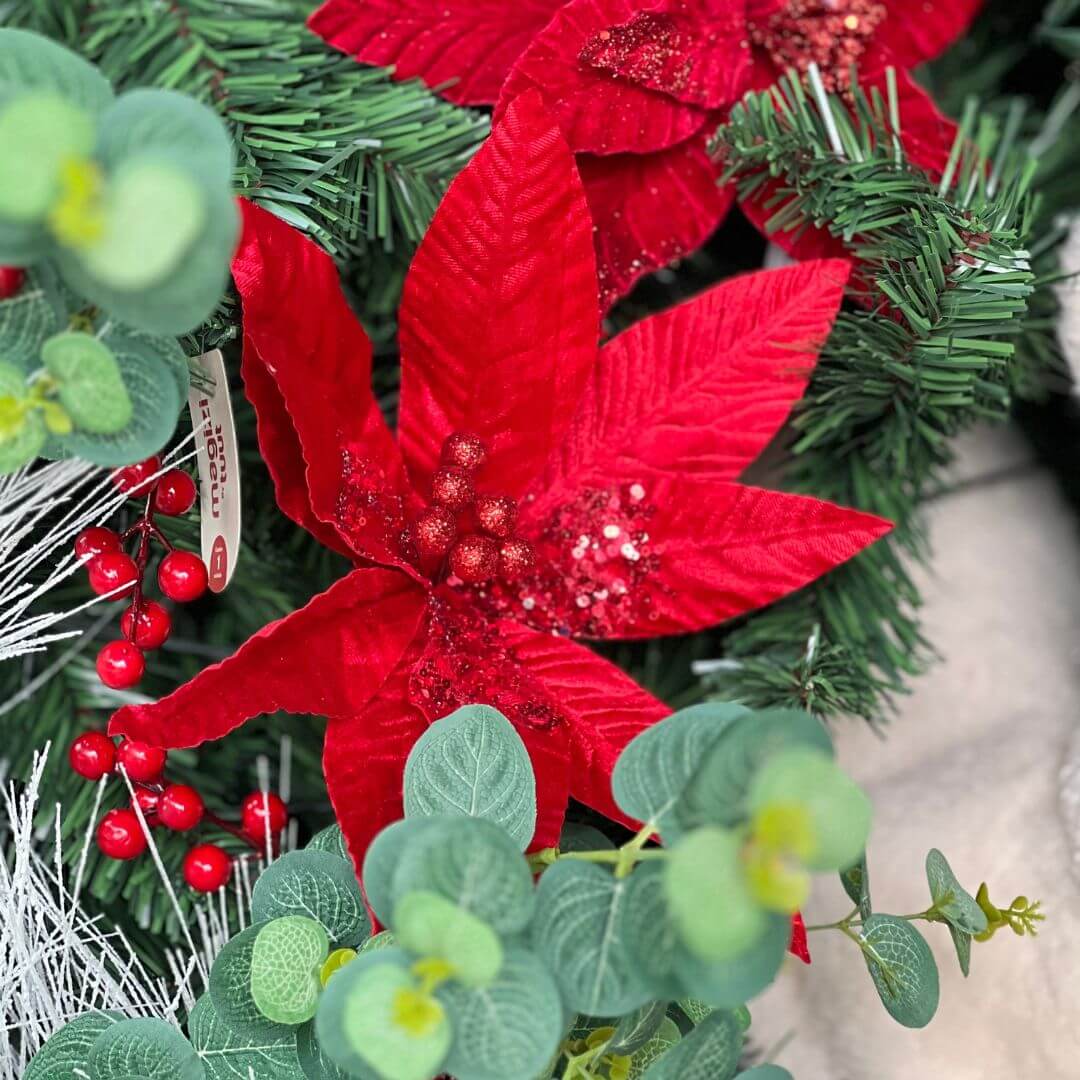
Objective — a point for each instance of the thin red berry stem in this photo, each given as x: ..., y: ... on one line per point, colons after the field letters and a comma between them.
x: 146, y: 530
x: 235, y: 830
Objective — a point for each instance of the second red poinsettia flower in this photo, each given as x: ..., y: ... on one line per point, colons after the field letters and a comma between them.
x: 638, y: 87
x: 542, y: 488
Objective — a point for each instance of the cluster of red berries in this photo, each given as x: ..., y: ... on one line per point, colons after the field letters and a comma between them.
x: 473, y: 531
x: 181, y: 574
x: 179, y: 807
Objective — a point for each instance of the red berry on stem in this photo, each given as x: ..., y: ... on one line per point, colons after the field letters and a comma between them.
x: 147, y: 799
x: 256, y: 809
x: 474, y: 558
x: 180, y: 807
x: 452, y: 487
x: 150, y: 628
x: 497, y: 514
x: 175, y: 493
x: 464, y: 450
x: 434, y: 531
x: 120, y: 665
x: 132, y: 479
x: 110, y: 571
x: 142, y: 762
x: 11, y: 281
x: 182, y: 576
x: 92, y: 755
x: 516, y: 558
x: 207, y: 868
x: 120, y: 836
x: 96, y: 541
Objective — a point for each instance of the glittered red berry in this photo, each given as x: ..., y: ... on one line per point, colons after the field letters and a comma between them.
x: 147, y: 799
x: 120, y: 836
x: 464, y: 450
x: 150, y: 629
x: 182, y: 576
x: 257, y: 809
x: 434, y: 531
x: 96, y: 541
x: 133, y: 481
x: 175, y: 493
x: 180, y: 807
x: 112, y: 570
x: 474, y: 558
x: 92, y: 755
x: 452, y: 487
x: 11, y: 281
x: 496, y: 514
x: 516, y: 558
x: 120, y: 665
x: 141, y: 761
x: 207, y: 868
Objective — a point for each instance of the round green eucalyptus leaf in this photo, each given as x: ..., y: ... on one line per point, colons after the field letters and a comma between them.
x: 710, y: 1052
x: 962, y: 944
x: 665, y: 1037
x: 955, y: 903
x: 903, y: 969
x: 230, y: 989
x: 706, y: 890
x: 510, y: 1027
x: 696, y: 1011
x: 473, y: 863
x: 382, y: 940
x: 332, y: 840
x: 316, y: 884
x: 66, y: 1053
x: 649, y: 932
x: 429, y: 925
x: 637, y: 1027
x: 577, y: 836
x: 856, y: 882
x: 91, y: 388
x: 717, y: 792
x: 34, y: 313
x: 228, y: 1055
x: 654, y: 769
x: 285, y: 963
x: 838, y: 808
x: 315, y: 1064
x: 382, y: 859
x: 30, y: 61
x: 147, y: 1049
x: 473, y: 763
x: 579, y: 932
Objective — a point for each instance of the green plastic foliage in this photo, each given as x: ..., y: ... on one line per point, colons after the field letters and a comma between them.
x: 429, y: 925
x: 576, y: 836
x: 665, y: 1037
x: 147, y: 1049
x: 90, y: 385
x: 656, y: 766
x: 509, y: 1028
x: 382, y: 859
x: 22, y: 430
x: 31, y: 62
x: 472, y: 863
x: 903, y: 969
x: 473, y: 763
x: 707, y: 895
x: 635, y: 1029
x: 35, y: 312
x: 285, y: 963
x: 318, y: 885
x: 315, y: 1064
x: 66, y: 1052
x: 331, y: 840
x: 579, y: 930
x: 765, y: 1072
x: 710, y: 1052
x: 230, y: 989
x: 228, y: 1055
x: 856, y: 882
x: 958, y: 907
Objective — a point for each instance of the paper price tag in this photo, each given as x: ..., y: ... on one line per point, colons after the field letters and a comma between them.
x: 219, y: 466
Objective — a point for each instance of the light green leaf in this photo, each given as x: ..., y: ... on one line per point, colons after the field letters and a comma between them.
x: 474, y: 763
x: 34, y: 313
x: 956, y: 905
x: 332, y: 840
x: 382, y: 860
x: 765, y: 1072
x: 429, y: 925
x: 635, y: 1029
x: 285, y: 963
x: 473, y: 863
x: 91, y: 388
x: 147, y: 1049
x: 696, y: 1011
x: 579, y: 930
x: 903, y: 969
x: 962, y: 944
x: 315, y: 1064
x: 509, y: 1028
x: 67, y: 1051
x: 22, y: 430
x: 710, y: 1052
x: 856, y: 882
x: 30, y: 61
x: 227, y: 1055
x: 382, y: 940
x: 666, y: 1036
x: 654, y: 769
x: 320, y: 886
x: 230, y: 989
x: 652, y: 939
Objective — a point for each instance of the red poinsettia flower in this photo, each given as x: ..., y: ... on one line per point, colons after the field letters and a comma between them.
x: 541, y: 488
x: 639, y: 85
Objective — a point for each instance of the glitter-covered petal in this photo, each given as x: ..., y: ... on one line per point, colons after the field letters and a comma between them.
x: 598, y: 112
x: 500, y: 317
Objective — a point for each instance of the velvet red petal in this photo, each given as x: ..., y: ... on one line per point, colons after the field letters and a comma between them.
x: 918, y: 30
x: 649, y: 210
x: 597, y: 112
x: 307, y: 367
x: 499, y: 317
x: 704, y: 386
x: 464, y: 48
x: 328, y: 659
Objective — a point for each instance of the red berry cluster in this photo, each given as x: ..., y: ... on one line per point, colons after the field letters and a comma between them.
x: 179, y: 807
x: 473, y: 531
x: 181, y: 575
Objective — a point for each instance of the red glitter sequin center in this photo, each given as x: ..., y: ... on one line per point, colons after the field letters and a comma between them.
x: 595, y: 570
x: 370, y: 508
x: 466, y: 662
x: 649, y: 49
x: 834, y: 34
